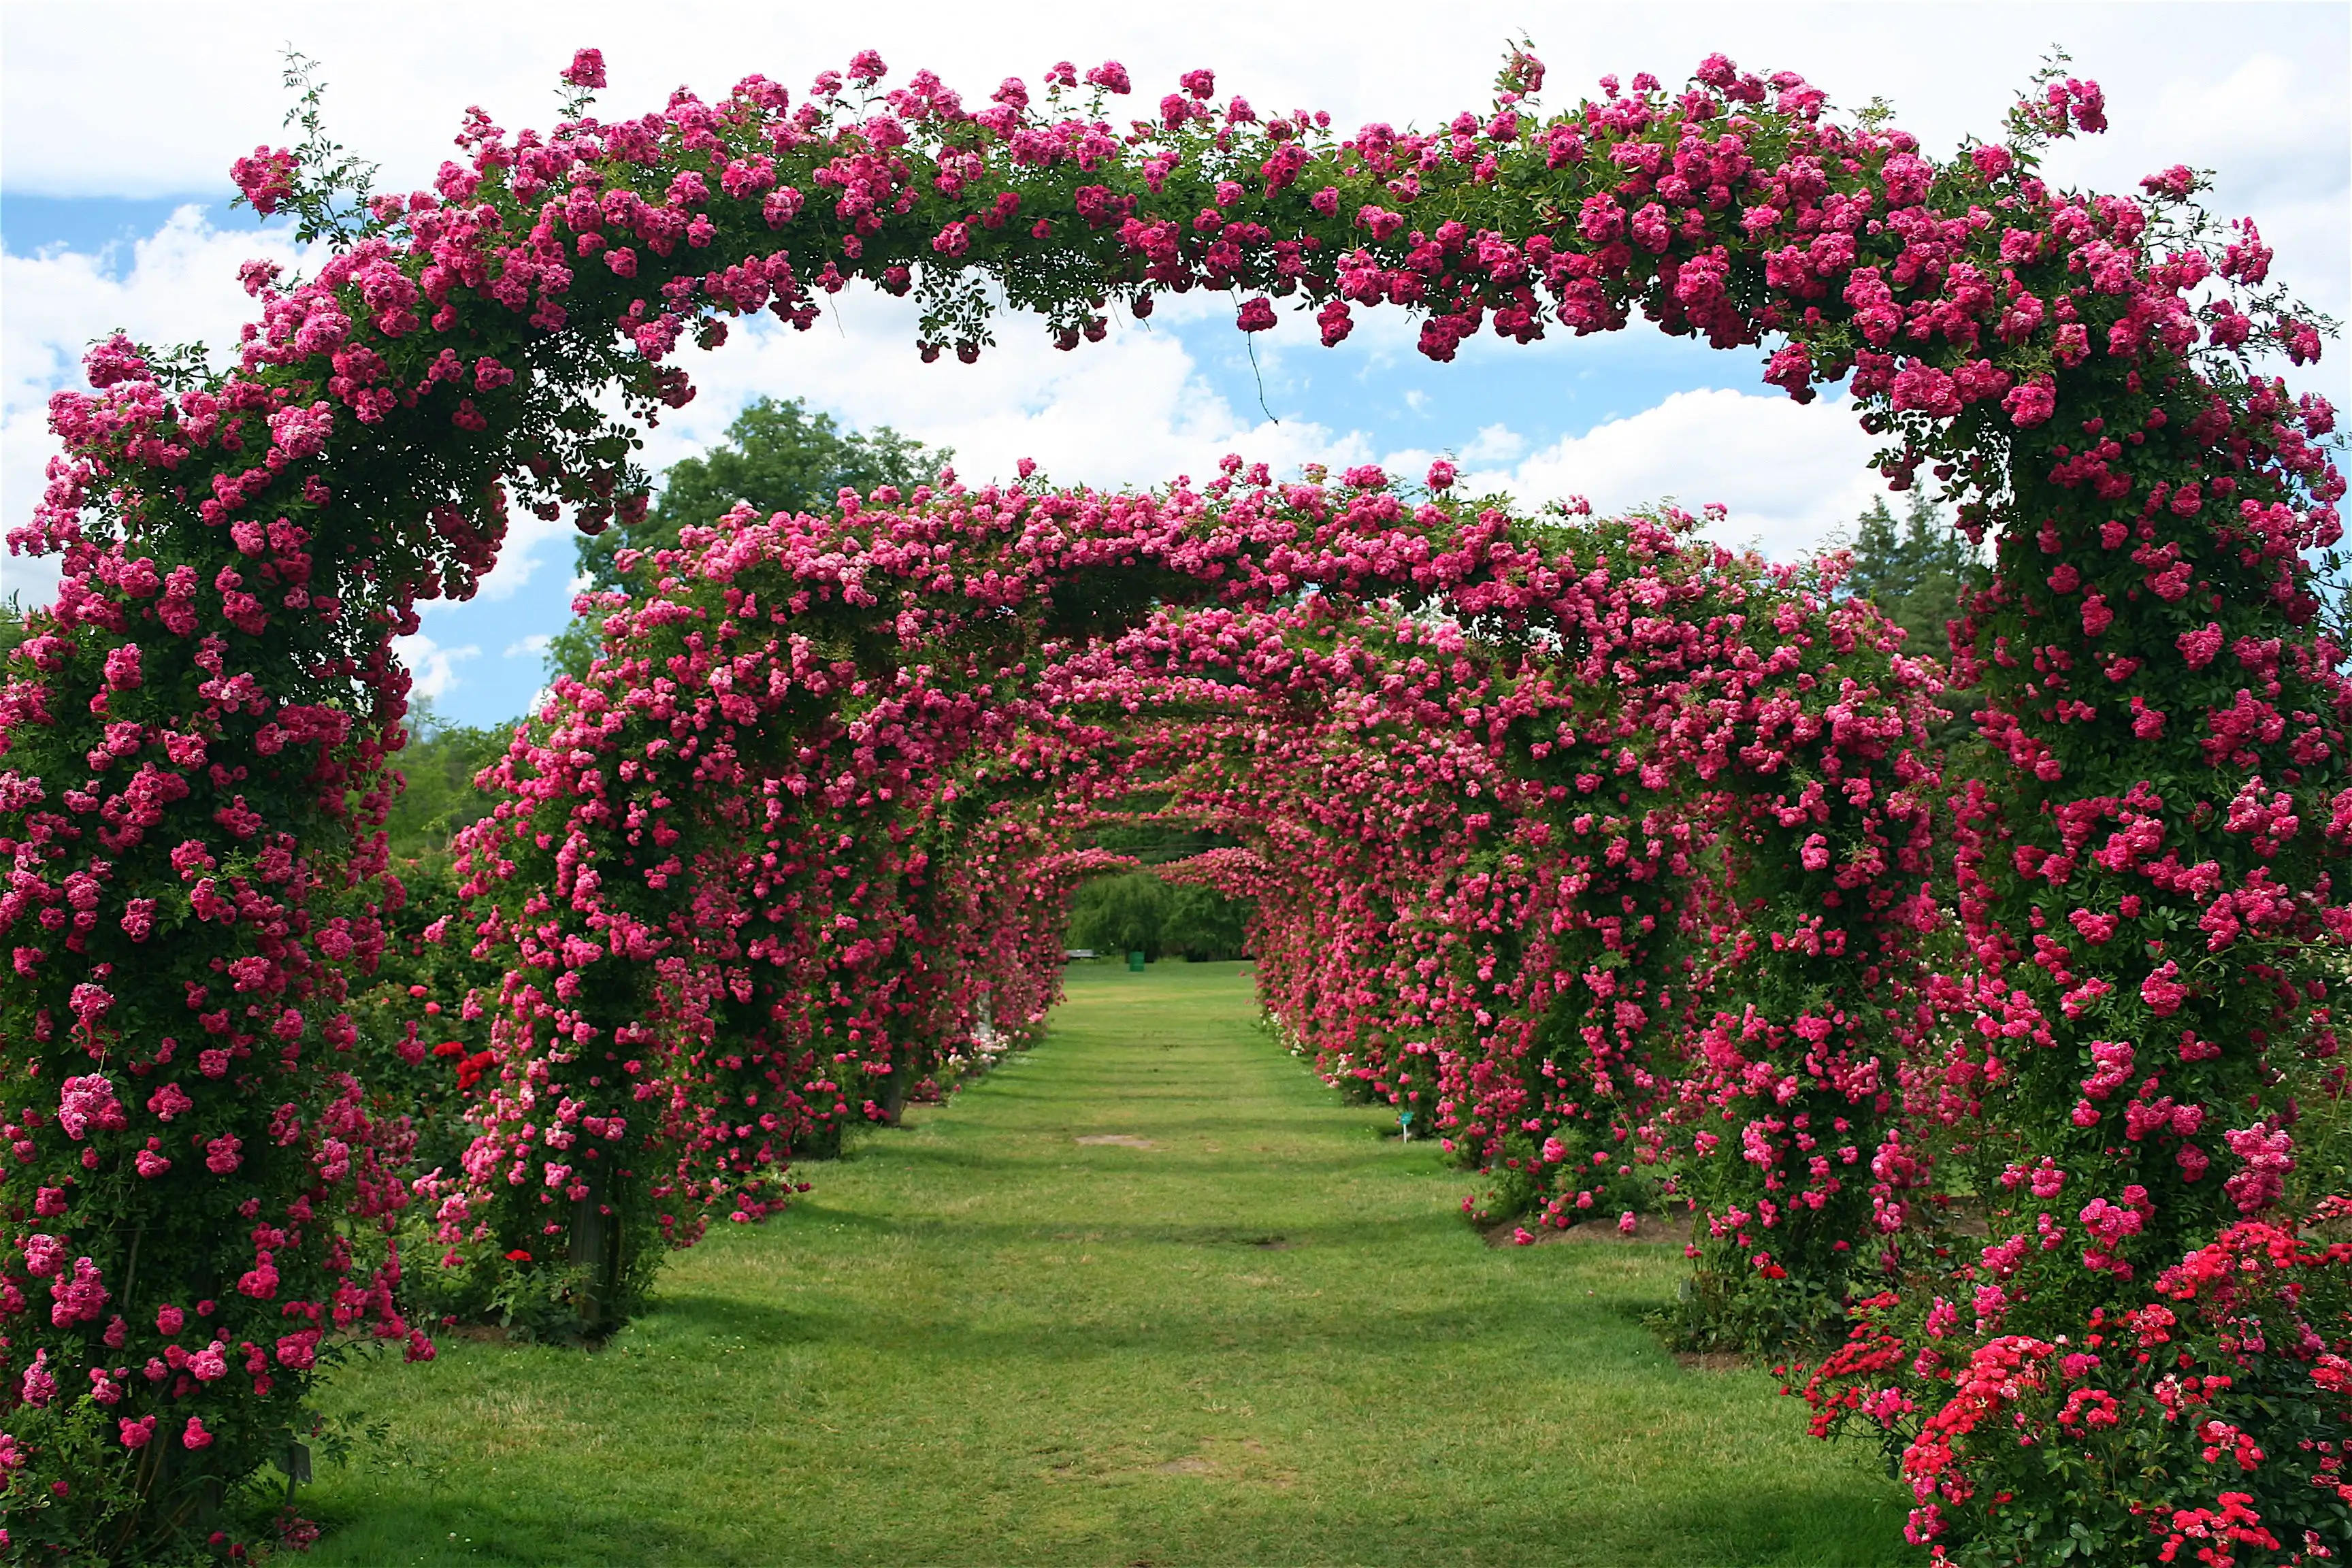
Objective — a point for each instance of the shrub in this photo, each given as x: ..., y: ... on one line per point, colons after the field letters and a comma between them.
x: 2208, y: 1422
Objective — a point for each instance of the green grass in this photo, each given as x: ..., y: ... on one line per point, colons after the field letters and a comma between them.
x: 1267, y: 1339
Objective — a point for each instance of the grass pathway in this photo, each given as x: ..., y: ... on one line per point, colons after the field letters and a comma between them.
x: 992, y: 1337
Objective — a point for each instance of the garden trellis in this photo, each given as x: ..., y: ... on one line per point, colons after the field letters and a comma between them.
x: 1610, y: 851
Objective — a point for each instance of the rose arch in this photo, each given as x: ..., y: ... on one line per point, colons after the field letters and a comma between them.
x: 1611, y: 856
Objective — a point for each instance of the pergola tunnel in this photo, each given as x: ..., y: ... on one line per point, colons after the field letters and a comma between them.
x: 1648, y: 876
x: 1762, y: 724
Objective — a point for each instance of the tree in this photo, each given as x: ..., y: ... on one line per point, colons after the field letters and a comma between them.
x: 777, y: 456
x: 439, y: 763
x: 1877, y: 549
x: 780, y: 458
x: 1125, y: 913
x: 1154, y: 842
x: 15, y: 624
x: 1137, y: 911
x: 1203, y: 923
x: 1916, y: 578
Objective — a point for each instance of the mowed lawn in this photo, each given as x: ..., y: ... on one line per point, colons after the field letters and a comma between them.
x: 1268, y: 1337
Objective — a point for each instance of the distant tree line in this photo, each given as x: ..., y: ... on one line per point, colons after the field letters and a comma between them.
x: 439, y: 763
x: 1137, y: 912
x: 1913, y: 573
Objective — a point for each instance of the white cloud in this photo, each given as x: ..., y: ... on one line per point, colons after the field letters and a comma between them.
x: 125, y: 98
x: 1495, y: 444
x: 528, y: 536
x: 433, y: 666
x: 528, y: 647
x: 1132, y: 410
x: 210, y: 68
x: 179, y: 286
x: 1788, y: 477
x: 31, y: 582
x: 2273, y: 128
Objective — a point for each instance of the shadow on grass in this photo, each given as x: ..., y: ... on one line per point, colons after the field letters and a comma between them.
x: 1238, y: 1159
x: 1213, y: 1322
x: 1253, y: 1223
x: 442, y: 1527
x: 1784, y: 1526
x: 681, y: 1315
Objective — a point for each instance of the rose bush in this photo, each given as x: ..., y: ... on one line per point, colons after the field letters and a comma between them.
x: 2206, y: 1424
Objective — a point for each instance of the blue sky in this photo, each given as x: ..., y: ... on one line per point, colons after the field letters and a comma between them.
x: 117, y: 125
x: 96, y: 224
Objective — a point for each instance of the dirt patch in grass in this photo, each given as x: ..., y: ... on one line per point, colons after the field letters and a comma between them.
x: 1258, y: 1240
x: 1122, y: 1139
x: 485, y: 1333
x: 1243, y: 1461
x: 1967, y: 1218
x: 1647, y: 1231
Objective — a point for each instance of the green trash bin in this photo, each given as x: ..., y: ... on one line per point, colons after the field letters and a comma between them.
x: 1135, y: 961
